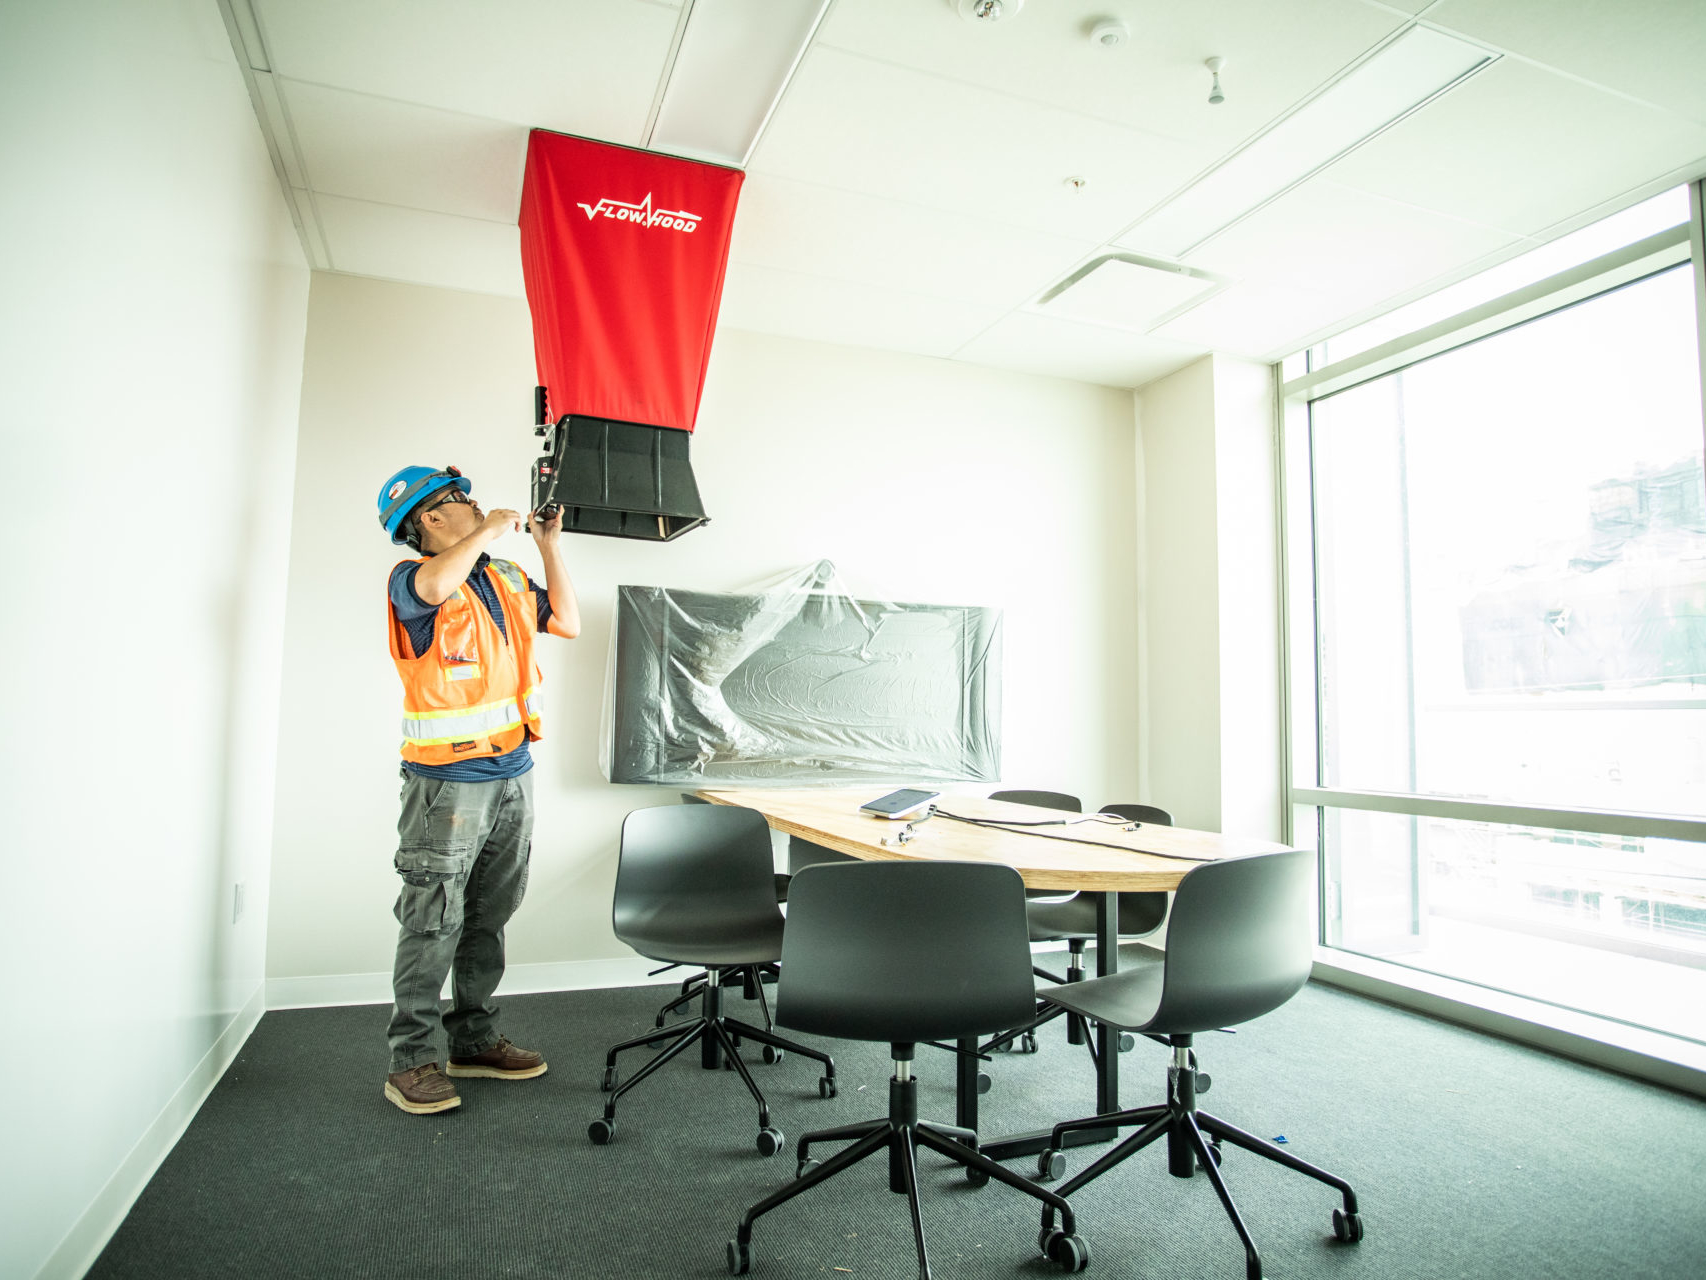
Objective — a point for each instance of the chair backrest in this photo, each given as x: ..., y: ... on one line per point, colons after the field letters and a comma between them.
x: 1238, y: 942
x: 905, y: 951
x: 803, y: 853
x: 1140, y: 813
x: 1042, y: 799
x: 704, y: 866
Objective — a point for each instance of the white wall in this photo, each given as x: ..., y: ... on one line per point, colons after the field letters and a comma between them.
x: 920, y: 479
x: 1181, y: 616
x: 1247, y: 534
x: 150, y: 360
x: 1210, y: 611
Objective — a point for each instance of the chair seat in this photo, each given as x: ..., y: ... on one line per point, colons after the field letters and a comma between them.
x: 1127, y: 999
x: 707, y: 942
x: 1076, y: 917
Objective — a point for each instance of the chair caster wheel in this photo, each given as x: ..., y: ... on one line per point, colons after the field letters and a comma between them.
x: 976, y: 1177
x: 804, y: 1167
x: 1214, y: 1152
x: 739, y: 1258
x: 1051, y: 1164
x: 826, y: 1087
x: 984, y: 1083
x: 601, y: 1131
x: 772, y: 1053
x: 1347, y: 1226
x: 1205, y: 1082
x: 1046, y: 1238
x: 1127, y: 1042
x: 1029, y: 1042
x: 608, y: 1082
x: 1069, y: 1253
x: 770, y: 1141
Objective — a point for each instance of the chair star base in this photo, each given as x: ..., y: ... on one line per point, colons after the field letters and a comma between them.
x: 901, y: 1133
x: 1188, y: 1149
x: 717, y: 1034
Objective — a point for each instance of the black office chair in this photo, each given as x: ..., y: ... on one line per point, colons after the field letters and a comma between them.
x: 1041, y: 799
x: 910, y: 953
x: 1238, y: 946
x: 693, y: 886
x: 801, y: 854
x: 1073, y: 921
x: 751, y: 977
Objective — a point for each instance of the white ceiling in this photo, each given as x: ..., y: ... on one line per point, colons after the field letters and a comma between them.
x: 910, y: 191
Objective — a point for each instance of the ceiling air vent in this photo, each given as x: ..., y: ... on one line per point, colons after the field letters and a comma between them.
x: 1125, y: 291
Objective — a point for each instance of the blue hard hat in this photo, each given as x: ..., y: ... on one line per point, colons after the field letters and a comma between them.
x: 406, y: 490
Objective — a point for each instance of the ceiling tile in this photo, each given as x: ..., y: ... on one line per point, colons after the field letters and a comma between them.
x: 1256, y: 321
x: 794, y: 305
x: 910, y: 192
x: 1559, y: 147
x: 1344, y: 243
x: 423, y: 248
x: 860, y: 125
x: 1275, y: 55
x: 1404, y: 8
x: 590, y: 67
x: 1032, y: 343
x: 1653, y: 50
x: 802, y: 227
x: 397, y: 153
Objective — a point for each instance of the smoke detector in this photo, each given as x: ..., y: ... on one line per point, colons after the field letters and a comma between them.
x: 984, y: 13
x: 1109, y: 33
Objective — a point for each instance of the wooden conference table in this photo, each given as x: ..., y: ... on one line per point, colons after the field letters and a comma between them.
x: 1084, y: 856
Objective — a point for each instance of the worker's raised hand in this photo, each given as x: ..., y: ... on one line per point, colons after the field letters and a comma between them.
x: 546, y: 527
x: 499, y: 522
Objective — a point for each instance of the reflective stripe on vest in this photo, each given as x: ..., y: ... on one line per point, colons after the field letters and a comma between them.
x: 509, y: 572
x: 426, y: 728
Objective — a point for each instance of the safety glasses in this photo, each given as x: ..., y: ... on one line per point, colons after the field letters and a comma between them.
x: 453, y: 494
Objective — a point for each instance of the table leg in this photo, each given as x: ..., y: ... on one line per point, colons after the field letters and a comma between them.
x: 1107, y: 1038
x: 1107, y: 1059
x: 965, y: 1084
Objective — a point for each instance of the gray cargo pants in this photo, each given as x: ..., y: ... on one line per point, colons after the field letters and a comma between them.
x: 462, y: 851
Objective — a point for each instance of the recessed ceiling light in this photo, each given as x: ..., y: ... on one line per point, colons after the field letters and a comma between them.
x: 733, y: 61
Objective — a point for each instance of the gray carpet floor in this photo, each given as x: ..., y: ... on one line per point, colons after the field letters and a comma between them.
x: 1471, y: 1157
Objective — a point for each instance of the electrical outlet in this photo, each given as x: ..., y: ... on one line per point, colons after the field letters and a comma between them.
x: 236, y: 902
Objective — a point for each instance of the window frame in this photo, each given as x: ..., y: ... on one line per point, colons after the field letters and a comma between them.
x: 1654, y: 1055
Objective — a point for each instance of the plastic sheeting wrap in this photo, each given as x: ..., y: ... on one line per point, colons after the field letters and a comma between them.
x: 797, y: 680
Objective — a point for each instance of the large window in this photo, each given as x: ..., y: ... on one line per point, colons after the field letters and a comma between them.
x: 1498, y: 561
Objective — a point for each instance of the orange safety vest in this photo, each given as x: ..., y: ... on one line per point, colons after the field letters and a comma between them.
x: 466, y: 696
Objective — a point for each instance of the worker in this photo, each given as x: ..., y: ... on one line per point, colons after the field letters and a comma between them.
x: 462, y: 631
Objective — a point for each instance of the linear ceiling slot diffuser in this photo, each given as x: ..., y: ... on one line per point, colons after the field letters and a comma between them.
x: 1400, y: 79
x: 1126, y: 291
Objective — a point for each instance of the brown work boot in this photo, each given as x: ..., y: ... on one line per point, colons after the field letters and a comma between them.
x: 422, y: 1090
x: 503, y: 1061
